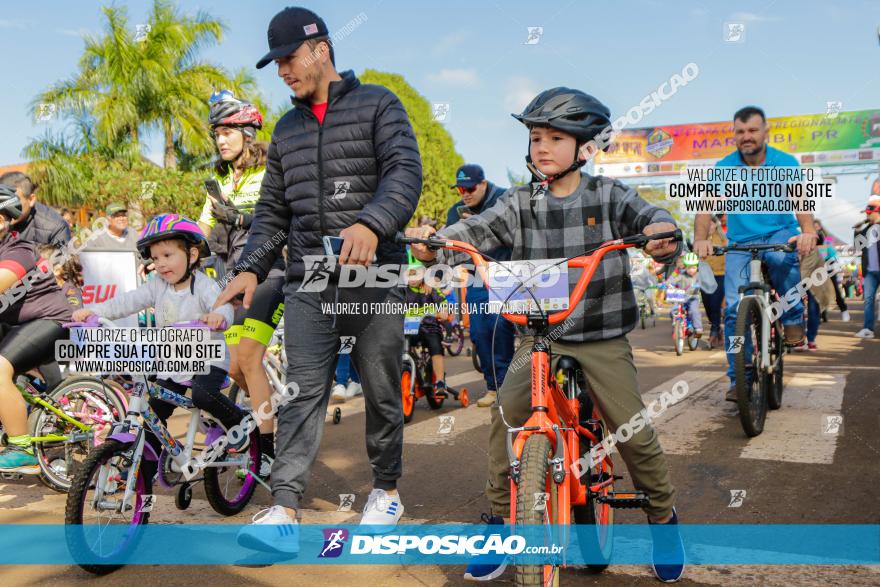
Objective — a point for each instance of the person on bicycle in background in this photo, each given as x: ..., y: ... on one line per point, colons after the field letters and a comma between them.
x: 644, y: 280
x: 239, y: 170
x: 423, y: 300
x: 180, y: 293
x: 562, y: 214
x: 478, y: 194
x: 344, y: 162
x: 32, y: 310
x: 687, y: 281
x: 750, y: 131
x: 870, y: 230
x: 713, y: 301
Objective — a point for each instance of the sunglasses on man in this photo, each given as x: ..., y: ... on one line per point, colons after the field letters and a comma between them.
x: 463, y: 190
x: 872, y: 209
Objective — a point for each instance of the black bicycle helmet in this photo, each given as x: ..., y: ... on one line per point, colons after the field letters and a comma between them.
x: 571, y: 111
x: 10, y: 203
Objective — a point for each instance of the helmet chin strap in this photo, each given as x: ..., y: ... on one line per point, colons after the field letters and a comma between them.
x: 545, y: 180
x: 187, y: 274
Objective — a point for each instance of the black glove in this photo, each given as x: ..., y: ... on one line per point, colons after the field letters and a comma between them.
x: 226, y: 213
x: 245, y: 221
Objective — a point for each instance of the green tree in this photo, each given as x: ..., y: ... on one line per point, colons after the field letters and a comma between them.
x: 439, y: 157
x: 129, y: 84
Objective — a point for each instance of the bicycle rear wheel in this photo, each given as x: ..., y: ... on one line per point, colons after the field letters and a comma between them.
x: 455, y: 342
x: 751, y: 385
x: 775, y: 379
x: 227, y: 490
x: 96, y: 533
x: 90, y: 401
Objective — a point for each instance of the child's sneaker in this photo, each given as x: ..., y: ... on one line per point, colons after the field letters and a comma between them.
x: 811, y: 346
x: 440, y: 389
x: 272, y: 530
x: 668, y: 551
x: 488, y: 567
x: 865, y: 333
x: 16, y: 459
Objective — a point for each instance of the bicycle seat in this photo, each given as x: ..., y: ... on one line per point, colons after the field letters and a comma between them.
x: 566, y: 362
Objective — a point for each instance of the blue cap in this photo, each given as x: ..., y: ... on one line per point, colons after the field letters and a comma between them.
x: 468, y: 176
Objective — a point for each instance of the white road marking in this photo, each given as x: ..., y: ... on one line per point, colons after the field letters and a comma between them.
x: 463, y: 378
x: 795, y: 432
x: 683, y: 427
x: 428, y: 431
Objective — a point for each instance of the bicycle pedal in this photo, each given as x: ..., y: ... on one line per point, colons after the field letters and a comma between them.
x: 635, y: 499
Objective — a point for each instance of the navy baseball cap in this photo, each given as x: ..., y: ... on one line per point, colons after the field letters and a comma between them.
x: 289, y: 29
x: 468, y: 176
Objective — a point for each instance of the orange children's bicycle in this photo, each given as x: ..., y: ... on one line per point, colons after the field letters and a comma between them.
x: 551, y: 484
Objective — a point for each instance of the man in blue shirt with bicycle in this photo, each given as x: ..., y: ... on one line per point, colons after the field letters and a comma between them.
x: 750, y: 130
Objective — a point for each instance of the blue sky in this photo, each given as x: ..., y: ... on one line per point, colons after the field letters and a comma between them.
x: 796, y: 56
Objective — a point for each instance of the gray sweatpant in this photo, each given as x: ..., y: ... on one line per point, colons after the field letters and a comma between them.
x: 312, y: 339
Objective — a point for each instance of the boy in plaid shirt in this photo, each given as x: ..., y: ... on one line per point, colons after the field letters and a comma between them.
x: 562, y: 214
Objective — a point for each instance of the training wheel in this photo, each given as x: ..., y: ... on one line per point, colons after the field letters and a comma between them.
x: 184, y: 496
x: 337, y: 415
x: 463, y: 397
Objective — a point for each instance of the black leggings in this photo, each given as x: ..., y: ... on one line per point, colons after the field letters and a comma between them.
x: 31, y: 345
x: 433, y: 340
x: 205, y: 396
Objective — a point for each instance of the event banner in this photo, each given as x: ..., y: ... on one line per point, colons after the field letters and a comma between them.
x: 839, y: 138
x: 107, y: 273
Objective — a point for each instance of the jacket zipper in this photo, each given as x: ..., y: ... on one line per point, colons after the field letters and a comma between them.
x: 321, y: 218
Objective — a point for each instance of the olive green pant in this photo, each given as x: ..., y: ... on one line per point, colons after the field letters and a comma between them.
x: 611, y: 373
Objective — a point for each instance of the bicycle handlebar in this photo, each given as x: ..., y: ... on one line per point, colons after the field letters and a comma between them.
x: 587, y: 262
x: 783, y: 247
x: 94, y: 321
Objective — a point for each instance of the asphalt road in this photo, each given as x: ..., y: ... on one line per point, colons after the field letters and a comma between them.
x: 796, y: 472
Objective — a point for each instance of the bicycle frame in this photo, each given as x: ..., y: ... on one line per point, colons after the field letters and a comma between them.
x: 553, y: 414
x: 85, y: 429
x: 756, y: 282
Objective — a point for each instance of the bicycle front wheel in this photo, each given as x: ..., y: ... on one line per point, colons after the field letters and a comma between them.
x: 455, y: 343
x: 99, y: 528
x: 534, y: 485
x: 751, y: 385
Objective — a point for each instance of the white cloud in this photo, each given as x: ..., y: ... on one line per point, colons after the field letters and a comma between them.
x: 12, y: 24
x: 751, y: 17
x: 518, y: 92
x: 455, y: 77
x: 78, y: 33
x: 449, y: 42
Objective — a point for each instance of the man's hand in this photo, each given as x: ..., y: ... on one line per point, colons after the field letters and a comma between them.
x: 660, y: 248
x: 704, y: 248
x: 214, y: 320
x: 806, y: 242
x: 358, y: 246
x: 243, y: 282
x: 421, y: 252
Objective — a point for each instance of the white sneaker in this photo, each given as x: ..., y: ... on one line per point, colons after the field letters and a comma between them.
x: 865, y: 333
x: 353, y: 390
x: 844, y: 316
x: 338, y: 394
x: 271, y: 531
x: 382, y: 510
